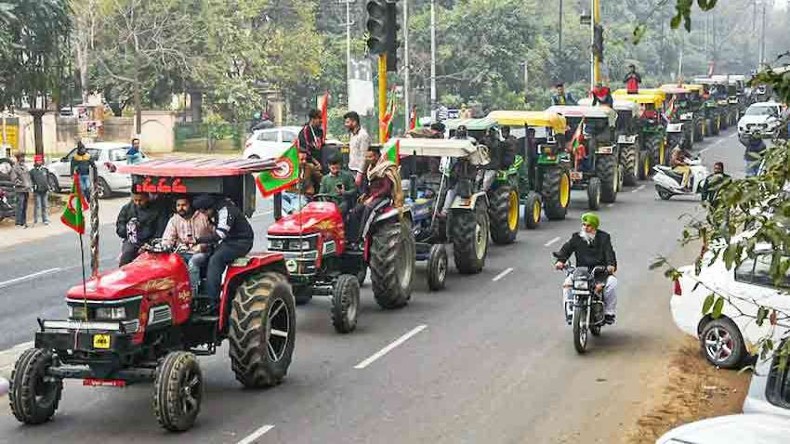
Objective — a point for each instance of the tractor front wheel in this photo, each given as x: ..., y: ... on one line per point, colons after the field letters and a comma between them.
x: 503, y: 214
x: 629, y: 155
x: 437, y: 267
x: 345, y: 303
x: 606, y: 168
x: 34, y: 396
x: 532, y: 210
x: 556, y: 191
x: 178, y: 390
x: 594, y: 193
x: 469, y: 233
x: 262, y: 330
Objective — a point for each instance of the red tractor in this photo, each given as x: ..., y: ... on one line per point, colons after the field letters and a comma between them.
x: 320, y: 261
x: 138, y: 323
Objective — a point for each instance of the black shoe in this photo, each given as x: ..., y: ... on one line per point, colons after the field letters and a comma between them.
x: 608, y: 319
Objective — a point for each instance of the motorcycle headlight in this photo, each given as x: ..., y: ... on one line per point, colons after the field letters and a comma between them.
x: 110, y: 313
x: 581, y: 285
x: 78, y: 312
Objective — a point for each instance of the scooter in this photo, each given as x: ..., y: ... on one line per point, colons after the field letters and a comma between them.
x: 668, y: 182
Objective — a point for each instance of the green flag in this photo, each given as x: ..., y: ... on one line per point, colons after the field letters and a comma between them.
x: 285, y: 174
x: 72, y: 215
x: 391, y: 151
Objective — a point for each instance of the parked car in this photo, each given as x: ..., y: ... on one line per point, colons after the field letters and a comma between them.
x: 107, y: 156
x: 270, y: 143
x: 763, y: 115
x: 769, y: 390
x: 724, y: 341
x: 731, y: 429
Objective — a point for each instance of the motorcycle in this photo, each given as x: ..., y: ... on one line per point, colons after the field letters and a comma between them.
x: 668, y: 182
x: 587, y: 305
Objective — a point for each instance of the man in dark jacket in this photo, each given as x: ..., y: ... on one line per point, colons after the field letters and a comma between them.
x: 20, y: 178
x: 714, y: 182
x: 488, y: 173
x: 311, y: 137
x: 233, y: 238
x: 509, y: 148
x: 592, y: 248
x: 138, y: 222
x: 39, y: 177
x: 82, y: 163
x: 632, y: 80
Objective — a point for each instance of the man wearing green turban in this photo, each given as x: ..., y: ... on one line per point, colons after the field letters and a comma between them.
x: 593, y: 248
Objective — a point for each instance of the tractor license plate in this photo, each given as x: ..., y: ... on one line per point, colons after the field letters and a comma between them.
x: 604, y: 150
x: 101, y: 341
x: 576, y: 175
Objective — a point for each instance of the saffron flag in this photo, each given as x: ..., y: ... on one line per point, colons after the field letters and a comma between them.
x: 285, y: 173
x: 671, y: 107
x: 72, y: 214
x: 385, y: 126
x: 413, y: 118
x: 577, y: 148
x: 391, y: 151
x: 323, y: 106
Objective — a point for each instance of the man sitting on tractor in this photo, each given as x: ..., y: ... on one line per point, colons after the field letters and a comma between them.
x: 383, y: 182
x: 339, y: 183
x: 183, y: 230
x: 233, y: 237
x: 560, y: 97
x: 488, y: 172
x: 139, y: 221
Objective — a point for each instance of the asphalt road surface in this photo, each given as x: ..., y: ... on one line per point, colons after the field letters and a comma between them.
x: 489, y: 359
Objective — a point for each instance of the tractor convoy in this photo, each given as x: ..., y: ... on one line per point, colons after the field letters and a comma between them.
x: 143, y: 322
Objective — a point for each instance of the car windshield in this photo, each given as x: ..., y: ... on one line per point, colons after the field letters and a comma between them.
x: 760, y: 111
x: 119, y: 154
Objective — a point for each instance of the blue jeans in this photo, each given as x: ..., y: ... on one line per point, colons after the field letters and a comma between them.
x: 85, y: 184
x: 195, y: 261
x: 41, y: 207
x: 21, y: 208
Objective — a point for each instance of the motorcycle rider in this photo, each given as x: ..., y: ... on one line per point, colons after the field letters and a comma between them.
x: 678, y: 163
x: 714, y: 183
x: 233, y: 238
x: 593, y: 248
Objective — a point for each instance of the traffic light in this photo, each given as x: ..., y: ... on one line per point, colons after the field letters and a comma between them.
x: 598, y: 42
x: 382, y: 26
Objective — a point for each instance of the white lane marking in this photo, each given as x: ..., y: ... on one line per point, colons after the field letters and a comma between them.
x: 638, y: 189
x: 553, y: 241
x: 28, y: 277
x: 609, y: 205
x: 249, y: 439
x: 390, y: 347
x: 503, y: 274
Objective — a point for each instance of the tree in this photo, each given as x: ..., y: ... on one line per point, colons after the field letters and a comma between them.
x: 32, y: 60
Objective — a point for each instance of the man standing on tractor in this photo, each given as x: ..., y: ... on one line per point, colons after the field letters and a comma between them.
x: 593, y: 248
x: 232, y: 236
x: 509, y: 147
x: 183, y: 230
x: 632, y: 80
x: 357, y: 146
x: 602, y: 96
x: 311, y: 137
x: 488, y: 173
x: 338, y: 183
x: 560, y: 97
x: 138, y: 222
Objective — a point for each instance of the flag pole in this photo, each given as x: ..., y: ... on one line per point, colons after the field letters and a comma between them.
x: 84, y: 281
x: 94, y: 209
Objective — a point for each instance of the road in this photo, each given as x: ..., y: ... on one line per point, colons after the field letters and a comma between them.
x: 489, y: 359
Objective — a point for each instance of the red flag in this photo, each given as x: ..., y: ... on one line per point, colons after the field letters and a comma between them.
x: 323, y: 105
x: 413, y: 118
x: 385, y: 126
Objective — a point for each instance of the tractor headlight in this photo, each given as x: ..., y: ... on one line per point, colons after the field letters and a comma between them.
x: 686, y: 116
x: 110, y: 313
x: 276, y: 244
x: 581, y: 285
x: 299, y: 245
x: 78, y: 312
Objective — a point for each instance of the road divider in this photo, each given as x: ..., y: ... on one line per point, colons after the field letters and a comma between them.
x: 249, y: 439
x: 390, y: 347
x: 503, y: 274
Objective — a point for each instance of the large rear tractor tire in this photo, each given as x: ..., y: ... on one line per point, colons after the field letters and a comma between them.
x: 658, y: 149
x: 345, y: 303
x: 607, y: 169
x: 34, y: 396
x: 503, y: 214
x: 594, y: 194
x: 532, y: 210
x: 629, y: 163
x: 469, y: 234
x: 437, y: 267
x: 262, y: 330
x: 556, y: 190
x: 392, y: 260
x: 178, y: 390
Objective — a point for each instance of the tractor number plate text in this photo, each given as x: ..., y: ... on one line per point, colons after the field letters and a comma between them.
x: 101, y: 341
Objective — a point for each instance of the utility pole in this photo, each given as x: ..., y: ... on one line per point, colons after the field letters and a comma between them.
x: 559, y: 38
x: 762, y: 41
x: 526, y: 82
x: 433, y: 60
x: 595, y: 77
x: 348, y: 50
x: 406, y: 102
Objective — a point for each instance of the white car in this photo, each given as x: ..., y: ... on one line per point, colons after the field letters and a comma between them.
x: 732, y: 429
x: 270, y: 143
x: 769, y: 390
x: 764, y: 116
x: 725, y: 341
x: 107, y: 156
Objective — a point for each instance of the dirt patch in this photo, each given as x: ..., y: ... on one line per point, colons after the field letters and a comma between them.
x: 696, y: 390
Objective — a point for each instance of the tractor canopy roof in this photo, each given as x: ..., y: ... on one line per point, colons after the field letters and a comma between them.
x: 588, y: 112
x: 543, y: 119
x: 442, y: 148
x: 198, y: 167
x: 694, y: 87
x: 619, y: 105
x: 642, y: 98
x: 672, y: 88
x: 470, y: 124
x: 715, y: 80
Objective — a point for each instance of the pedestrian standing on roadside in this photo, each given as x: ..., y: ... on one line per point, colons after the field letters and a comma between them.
x: 134, y: 156
x: 357, y: 146
x: 82, y: 163
x: 38, y: 177
x: 20, y: 177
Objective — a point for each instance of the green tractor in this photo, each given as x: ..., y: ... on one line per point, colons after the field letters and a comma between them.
x: 652, y: 131
x: 682, y: 125
x: 542, y: 163
x: 627, y: 136
x: 595, y: 156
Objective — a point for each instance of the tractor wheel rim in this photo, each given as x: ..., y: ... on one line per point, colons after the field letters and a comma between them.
x: 403, y: 264
x: 536, y: 209
x: 512, y: 211
x: 718, y: 344
x: 441, y: 269
x: 279, y: 328
x: 479, y: 241
x: 351, y: 308
x: 190, y: 393
x: 565, y: 190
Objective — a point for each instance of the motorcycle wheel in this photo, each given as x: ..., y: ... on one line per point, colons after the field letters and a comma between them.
x: 580, y: 329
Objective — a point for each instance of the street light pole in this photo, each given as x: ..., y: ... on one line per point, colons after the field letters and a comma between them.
x: 407, y: 104
x: 433, y: 60
x: 559, y: 39
x: 348, y: 50
x: 762, y: 41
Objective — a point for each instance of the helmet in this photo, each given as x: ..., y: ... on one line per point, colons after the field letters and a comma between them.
x: 591, y: 219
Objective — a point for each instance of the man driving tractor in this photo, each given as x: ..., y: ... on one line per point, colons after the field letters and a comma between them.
x: 183, y: 230
x: 593, y: 248
x: 138, y: 222
x: 338, y: 183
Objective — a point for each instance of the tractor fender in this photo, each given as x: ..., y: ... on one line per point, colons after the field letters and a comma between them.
x: 241, y: 268
x: 470, y: 203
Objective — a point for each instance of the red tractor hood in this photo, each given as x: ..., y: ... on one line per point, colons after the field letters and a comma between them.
x: 149, y: 273
x: 315, y: 217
